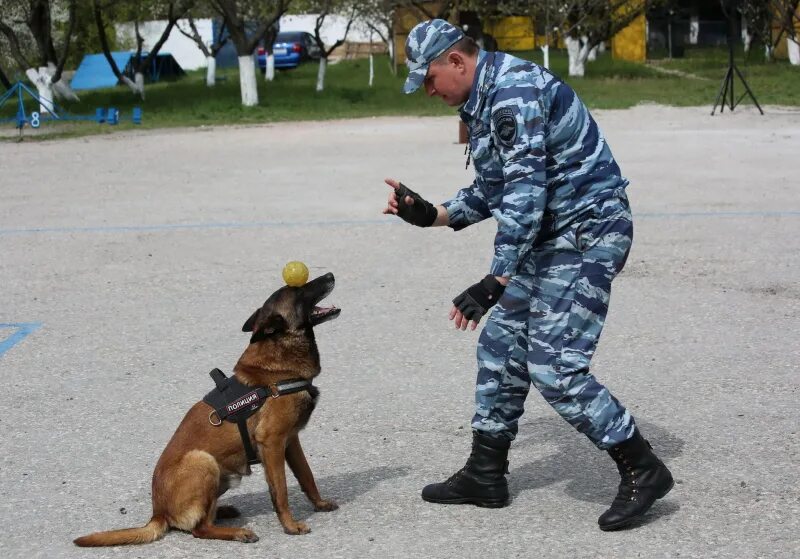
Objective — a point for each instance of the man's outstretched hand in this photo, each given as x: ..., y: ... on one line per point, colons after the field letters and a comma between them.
x: 477, y: 299
x: 409, y: 206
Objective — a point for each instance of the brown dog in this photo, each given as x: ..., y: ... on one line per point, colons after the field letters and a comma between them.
x: 203, y: 460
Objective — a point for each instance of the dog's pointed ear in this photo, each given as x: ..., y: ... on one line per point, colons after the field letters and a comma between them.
x: 273, y: 325
x: 251, y: 322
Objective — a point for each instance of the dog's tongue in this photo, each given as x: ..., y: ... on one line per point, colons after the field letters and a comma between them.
x: 324, y: 310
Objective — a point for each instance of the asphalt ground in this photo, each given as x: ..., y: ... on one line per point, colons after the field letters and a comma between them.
x: 130, y: 262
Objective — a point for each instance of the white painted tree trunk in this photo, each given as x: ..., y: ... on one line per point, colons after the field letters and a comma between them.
x: 44, y: 88
x: 371, y: 70
x: 131, y: 84
x: 269, y: 70
x: 61, y: 89
x: 592, y: 54
x: 139, y: 77
x: 546, y: 53
x: 247, y: 81
x: 211, y: 71
x: 794, y: 51
x: 694, y: 29
x: 323, y: 66
x: 601, y: 48
x: 746, y: 36
x: 577, y: 52
x: 768, y: 53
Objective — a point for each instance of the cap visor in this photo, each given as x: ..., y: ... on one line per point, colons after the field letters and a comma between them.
x: 415, y: 79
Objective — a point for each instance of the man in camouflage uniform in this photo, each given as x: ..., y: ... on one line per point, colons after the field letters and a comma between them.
x: 544, y: 171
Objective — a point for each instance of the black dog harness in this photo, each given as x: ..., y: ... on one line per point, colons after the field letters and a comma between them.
x: 234, y: 401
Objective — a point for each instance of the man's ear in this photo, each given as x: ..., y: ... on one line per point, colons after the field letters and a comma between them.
x: 250, y: 322
x: 456, y: 58
x: 273, y: 325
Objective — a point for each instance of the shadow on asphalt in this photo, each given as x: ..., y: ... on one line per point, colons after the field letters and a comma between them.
x: 342, y: 488
x: 590, y: 475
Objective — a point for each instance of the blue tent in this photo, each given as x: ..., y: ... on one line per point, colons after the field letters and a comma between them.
x: 95, y: 72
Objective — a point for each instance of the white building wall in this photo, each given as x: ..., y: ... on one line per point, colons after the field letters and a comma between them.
x: 182, y: 49
x: 185, y: 51
x: 332, y: 28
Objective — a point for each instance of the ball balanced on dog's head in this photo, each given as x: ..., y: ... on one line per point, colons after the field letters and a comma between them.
x: 295, y: 274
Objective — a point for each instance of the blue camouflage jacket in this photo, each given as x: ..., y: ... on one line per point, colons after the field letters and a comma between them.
x: 540, y: 160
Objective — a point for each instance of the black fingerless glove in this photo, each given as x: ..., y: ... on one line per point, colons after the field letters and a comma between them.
x: 421, y: 213
x: 479, y: 298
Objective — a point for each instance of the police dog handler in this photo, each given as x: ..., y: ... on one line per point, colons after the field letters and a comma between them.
x: 544, y: 171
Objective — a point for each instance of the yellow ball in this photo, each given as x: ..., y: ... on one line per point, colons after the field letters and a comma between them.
x: 295, y: 274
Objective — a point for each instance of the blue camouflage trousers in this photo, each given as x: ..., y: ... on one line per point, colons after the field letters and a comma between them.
x: 545, y: 328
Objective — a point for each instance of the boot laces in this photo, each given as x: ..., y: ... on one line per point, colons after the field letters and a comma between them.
x: 628, y: 489
x: 453, y: 478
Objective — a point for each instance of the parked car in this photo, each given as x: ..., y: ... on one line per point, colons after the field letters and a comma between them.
x: 290, y: 49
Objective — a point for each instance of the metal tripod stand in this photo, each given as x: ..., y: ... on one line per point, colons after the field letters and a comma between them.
x: 726, y: 89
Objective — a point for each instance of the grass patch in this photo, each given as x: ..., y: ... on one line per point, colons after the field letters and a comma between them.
x: 292, y: 96
x: 609, y: 84
x: 773, y: 83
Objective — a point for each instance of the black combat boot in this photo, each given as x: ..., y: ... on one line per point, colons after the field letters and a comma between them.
x: 645, y: 478
x: 482, y: 480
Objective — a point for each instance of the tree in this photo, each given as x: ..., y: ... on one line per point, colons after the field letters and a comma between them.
x: 756, y: 24
x: 487, y: 12
x: 248, y: 21
x: 425, y: 11
x: 585, y: 24
x: 210, y: 51
x: 543, y: 17
x: 87, y: 39
x: 30, y: 31
x: 269, y: 40
x: 787, y: 21
x: 324, y: 8
x: 378, y: 17
x: 4, y: 79
x: 138, y: 11
x: 760, y: 17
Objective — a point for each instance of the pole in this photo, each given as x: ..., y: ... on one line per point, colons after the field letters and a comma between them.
x: 669, y: 34
x: 731, y: 62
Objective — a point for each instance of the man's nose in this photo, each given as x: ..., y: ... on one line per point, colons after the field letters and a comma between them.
x: 429, y: 89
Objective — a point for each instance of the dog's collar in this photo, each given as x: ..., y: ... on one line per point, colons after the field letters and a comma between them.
x: 235, y: 401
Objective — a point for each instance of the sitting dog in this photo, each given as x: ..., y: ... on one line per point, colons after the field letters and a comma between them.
x: 206, y: 455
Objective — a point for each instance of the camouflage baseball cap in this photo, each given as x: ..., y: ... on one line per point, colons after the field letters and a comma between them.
x: 425, y: 42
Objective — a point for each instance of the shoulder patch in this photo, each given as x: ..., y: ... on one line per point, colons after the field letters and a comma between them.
x: 505, y: 126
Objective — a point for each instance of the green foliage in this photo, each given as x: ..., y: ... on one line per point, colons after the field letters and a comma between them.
x: 87, y: 39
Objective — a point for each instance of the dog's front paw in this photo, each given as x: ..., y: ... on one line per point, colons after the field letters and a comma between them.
x: 296, y: 528
x: 247, y: 536
x: 324, y: 505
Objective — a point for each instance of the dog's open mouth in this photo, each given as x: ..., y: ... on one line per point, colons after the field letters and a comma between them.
x: 321, y: 314
x: 315, y: 291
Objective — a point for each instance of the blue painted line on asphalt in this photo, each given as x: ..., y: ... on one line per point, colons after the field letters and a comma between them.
x: 334, y: 223
x: 669, y: 215
x: 180, y: 226
x: 23, y: 330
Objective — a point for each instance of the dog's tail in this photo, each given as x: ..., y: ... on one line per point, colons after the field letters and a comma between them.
x: 150, y: 532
